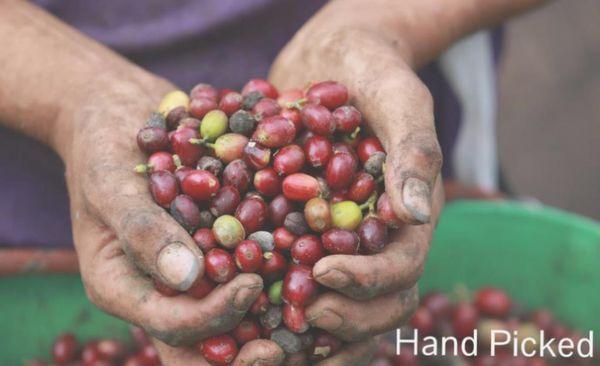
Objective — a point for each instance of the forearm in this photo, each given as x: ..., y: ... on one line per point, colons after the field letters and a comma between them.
x: 421, y: 29
x: 47, y: 67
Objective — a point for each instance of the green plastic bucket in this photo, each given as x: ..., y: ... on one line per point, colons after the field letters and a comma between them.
x: 542, y: 256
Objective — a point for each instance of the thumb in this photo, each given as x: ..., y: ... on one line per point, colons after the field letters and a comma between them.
x: 152, y: 239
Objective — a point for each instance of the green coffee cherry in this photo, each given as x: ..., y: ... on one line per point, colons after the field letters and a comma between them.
x: 346, y: 215
x: 214, y: 124
x: 275, y: 293
x: 228, y: 231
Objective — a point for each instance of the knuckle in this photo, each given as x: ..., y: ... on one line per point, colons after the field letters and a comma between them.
x: 424, y: 150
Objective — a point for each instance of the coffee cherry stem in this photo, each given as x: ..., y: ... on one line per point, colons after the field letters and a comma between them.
x: 267, y: 255
x: 298, y: 104
x: 177, y: 161
x: 143, y: 168
x: 354, y: 134
x: 201, y: 142
x: 369, y: 203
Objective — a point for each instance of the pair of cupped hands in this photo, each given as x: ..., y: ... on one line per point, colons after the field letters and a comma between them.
x: 123, y: 238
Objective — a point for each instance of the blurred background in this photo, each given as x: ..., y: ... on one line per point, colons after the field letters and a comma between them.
x: 549, y: 111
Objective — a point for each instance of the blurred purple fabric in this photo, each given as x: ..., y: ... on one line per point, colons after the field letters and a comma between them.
x: 222, y: 42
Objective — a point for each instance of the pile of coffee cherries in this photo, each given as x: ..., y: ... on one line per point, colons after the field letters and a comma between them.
x: 67, y: 350
x: 488, y: 309
x: 268, y: 183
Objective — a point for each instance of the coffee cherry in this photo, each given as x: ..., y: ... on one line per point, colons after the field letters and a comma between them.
x: 342, y: 147
x: 157, y: 120
x: 374, y: 165
x: 294, y: 318
x: 225, y: 201
x: 152, y: 139
x: 258, y: 157
x: 324, y: 345
x: 175, y: 116
x: 307, y: 250
x: 251, y: 99
x: 368, y: 147
x: 330, y: 94
x: 230, y: 146
x: 347, y: 118
x: 318, y: 119
x: 267, y: 182
x: 205, y: 239
x: 164, y: 187
x: 289, y: 160
x: 293, y: 115
x: 264, y: 239
x: 248, y: 330
x: 340, y: 241
x: 423, y: 321
x: 164, y: 289
x: 346, y: 215
x: 65, y: 349
x: 339, y: 196
x: 111, y: 350
x: 90, y: 354
x: 181, y: 172
x: 274, y: 266
x: 238, y: 175
x: 242, y: 122
x: 283, y: 238
x: 231, y: 102
x: 279, y: 207
x: 362, y: 187
x: 438, y: 304
x: 200, y: 107
x: 274, y: 131
x: 214, y: 124
x: 295, y: 223
x: 228, y: 231
x: 203, y: 90
x: 219, y: 350
x: 299, y: 287
x: 208, y: 163
x: 289, y: 342
x: 272, y: 318
x: 464, y: 320
x: 266, y: 107
x: 173, y: 100
x: 260, y: 305
x: 341, y: 170
x: 300, y: 187
x: 252, y: 213
x: 181, y: 145
x: 200, y: 185
x: 493, y: 302
x: 317, y: 214
x: 267, y: 89
x: 373, y: 234
x: 275, y: 293
x: 219, y: 265
x: 190, y: 122
x: 185, y: 212
x: 248, y: 256
x: 386, y: 213
x: 149, y: 355
x: 318, y: 151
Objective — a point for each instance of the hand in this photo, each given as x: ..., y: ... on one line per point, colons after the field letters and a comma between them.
x: 123, y: 239
x: 375, y: 293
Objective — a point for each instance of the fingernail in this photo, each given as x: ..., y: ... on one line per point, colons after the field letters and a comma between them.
x: 326, y: 319
x: 333, y: 278
x: 416, y: 197
x: 245, y: 296
x: 178, y: 266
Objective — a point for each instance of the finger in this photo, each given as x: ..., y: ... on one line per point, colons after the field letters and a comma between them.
x: 155, y: 242
x: 116, y: 286
x: 364, y: 277
x: 179, y: 356
x: 353, y: 354
x: 260, y: 352
x: 353, y: 320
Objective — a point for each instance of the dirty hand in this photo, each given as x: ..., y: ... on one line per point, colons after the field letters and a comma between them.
x: 124, y: 240
x: 374, y: 293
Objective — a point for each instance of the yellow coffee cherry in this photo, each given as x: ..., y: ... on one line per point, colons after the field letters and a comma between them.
x: 172, y: 100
